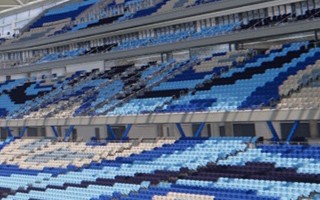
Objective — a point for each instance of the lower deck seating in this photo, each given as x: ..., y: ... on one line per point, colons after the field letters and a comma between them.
x: 164, y: 169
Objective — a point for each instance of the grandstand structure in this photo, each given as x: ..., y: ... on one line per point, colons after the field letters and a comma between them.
x: 160, y: 99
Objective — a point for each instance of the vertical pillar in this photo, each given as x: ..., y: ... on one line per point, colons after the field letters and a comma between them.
x: 314, y: 133
x: 228, y: 128
x: 198, y: 26
x: 159, y: 130
x: 215, y: 130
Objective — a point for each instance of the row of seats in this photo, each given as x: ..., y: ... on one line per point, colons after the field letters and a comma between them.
x: 221, y: 81
x: 41, y: 94
x: 42, y: 154
x: 74, y: 16
x: 301, y: 90
x: 105, y: 12
x: 302, y: 78
x: 136, y: 43
x: 191, y: 75
x: 190, y: 33
x: 186, y: 33
x: 70, y: 10
x: 233, y: 88
x: 150, y: 160
x: 63, y: 98
x: 204, y: 168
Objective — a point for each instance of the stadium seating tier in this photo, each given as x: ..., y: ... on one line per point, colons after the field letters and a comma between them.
x: 161, y: 169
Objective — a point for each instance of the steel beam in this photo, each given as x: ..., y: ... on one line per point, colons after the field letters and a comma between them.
x: 111, y: 134
x: 9, y: 132
x: 126, y: 132
x: 180, y: 129
x: 54, y: 131
x: 273, y: 131
x: 198, y: 133
x: 293, y: 130
x: 22, y: 132
x: 68, y: 133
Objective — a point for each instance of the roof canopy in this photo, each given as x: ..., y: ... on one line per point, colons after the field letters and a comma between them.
x: 12, y: 4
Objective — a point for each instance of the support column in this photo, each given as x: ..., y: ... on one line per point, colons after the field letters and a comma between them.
x: 198, y: 26
x: 293, y: 130
x: 126, y: 132
x: 68, y: 133
x: 198, y: 133
x: 22, y: 132
x: 54, y: 131
x: 181, y: 131
x: 314, y: 132
x: 215, y: 129
x: 111, y: 134
x: 273, y: 131
x: 228, y: 127
x: 160, y: 131
x: 9, y: 132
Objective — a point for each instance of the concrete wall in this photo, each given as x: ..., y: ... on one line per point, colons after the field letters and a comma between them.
x: 144, y: 131
x: 19, y: 76
x: 84, y: 133
x: 181, y: 55
x: 40, y: 74
x: 262, y: 129
x: 141, y: 60
x: 59, y: 71
x: 88, y: 66
x: 2, y: 78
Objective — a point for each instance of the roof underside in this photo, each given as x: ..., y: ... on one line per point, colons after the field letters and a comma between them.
x: 11, y: 4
